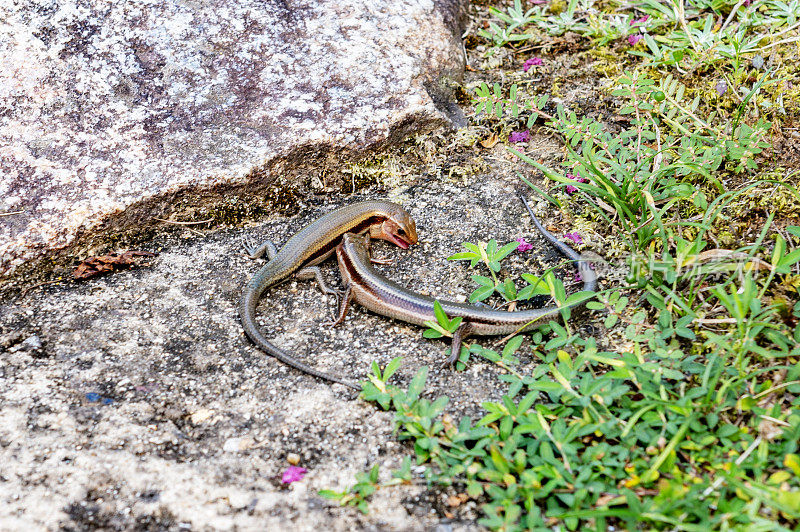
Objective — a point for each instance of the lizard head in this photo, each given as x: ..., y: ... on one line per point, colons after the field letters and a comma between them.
x: 398, y: 228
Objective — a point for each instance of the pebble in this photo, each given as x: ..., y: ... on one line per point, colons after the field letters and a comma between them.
x: 200, y: 416
x: 235, y: 445
x: 31, y: 343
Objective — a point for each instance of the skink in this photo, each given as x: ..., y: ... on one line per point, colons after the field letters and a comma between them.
x: 311, y: 245
x: 372, y: 290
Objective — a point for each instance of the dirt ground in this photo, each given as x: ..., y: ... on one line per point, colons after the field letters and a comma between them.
x: 134, y: 401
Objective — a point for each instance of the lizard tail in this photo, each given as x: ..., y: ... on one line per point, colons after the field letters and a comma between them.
x: 247, y: 311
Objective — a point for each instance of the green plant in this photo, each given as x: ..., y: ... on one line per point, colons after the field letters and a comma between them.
x: 600, y: 437
x: 367, y: 484
x: 684, y: 414
x: 513, y: 19
x: 443, y: 326
x: 645, y: 171
x: 491, y: 102
x: 491, y: 256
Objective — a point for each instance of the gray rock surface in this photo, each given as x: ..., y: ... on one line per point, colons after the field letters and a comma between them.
x: 112, y: 114
x: 135, y: 400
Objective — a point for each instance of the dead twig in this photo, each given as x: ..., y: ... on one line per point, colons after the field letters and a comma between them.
x: 25, y: 291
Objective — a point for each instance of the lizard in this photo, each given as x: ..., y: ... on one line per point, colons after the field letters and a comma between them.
x: 310, y: 246
x: 372, y: 290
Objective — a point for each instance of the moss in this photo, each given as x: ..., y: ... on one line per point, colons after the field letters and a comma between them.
x: 232, y: 211
x: 772, y: 198
x: 371, y: 171
x: 606, y: 62
x: 467, y: 137
x: 557, y: 6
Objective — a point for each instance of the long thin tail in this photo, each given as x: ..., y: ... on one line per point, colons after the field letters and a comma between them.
x: 247, y: 311
x: 581, y: 261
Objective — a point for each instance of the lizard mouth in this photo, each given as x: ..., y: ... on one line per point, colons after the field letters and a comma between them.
x: 398, y: 241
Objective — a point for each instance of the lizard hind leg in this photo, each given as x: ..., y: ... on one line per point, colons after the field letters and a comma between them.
x: 464, y: 330
x: 344, y: 306
x: 313, y: 272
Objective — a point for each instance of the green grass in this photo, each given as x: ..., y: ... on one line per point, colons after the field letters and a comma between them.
x: 685, y: 414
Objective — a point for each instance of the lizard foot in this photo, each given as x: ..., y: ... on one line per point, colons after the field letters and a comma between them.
x: 249, y: 246
x: 373, y: 260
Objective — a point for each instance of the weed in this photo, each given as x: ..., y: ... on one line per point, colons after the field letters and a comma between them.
x: 686, y: 415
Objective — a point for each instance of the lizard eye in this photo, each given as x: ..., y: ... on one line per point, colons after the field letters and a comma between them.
x: 400, y: 231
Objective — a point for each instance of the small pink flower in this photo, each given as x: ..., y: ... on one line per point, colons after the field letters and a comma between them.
x: 578, y: 278
x: 571, y: 189
x: 523, y: 245
x: 519, y: 136
x: 641, y: 20
x: 633, y: 39
x: 293, y: 474
x: 575, y: 237
x: 533, y: 61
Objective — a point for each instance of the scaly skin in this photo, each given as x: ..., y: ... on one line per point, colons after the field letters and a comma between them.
x: 313, y: 244
x: 377, y: 293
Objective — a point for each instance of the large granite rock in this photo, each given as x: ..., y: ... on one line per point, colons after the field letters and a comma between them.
x: 110, y: 112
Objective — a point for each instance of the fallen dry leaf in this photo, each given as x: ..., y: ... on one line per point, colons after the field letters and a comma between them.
x: 491, y: 141
x: 103, y: 264
x: 604, y: 500
x: 447, y: 421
